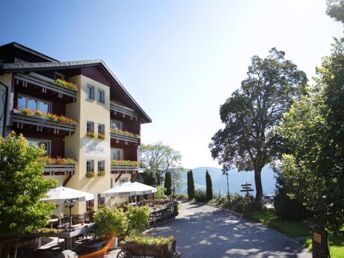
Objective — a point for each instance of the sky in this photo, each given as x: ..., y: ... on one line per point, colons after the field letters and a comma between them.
x: 179, y: 59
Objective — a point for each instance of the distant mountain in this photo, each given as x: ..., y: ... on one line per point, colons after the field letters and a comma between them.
x: 235, y: 180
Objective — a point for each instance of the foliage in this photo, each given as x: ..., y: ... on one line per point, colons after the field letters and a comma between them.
x: 200, y: 196
x: 190, y: 185
x: 148, y: 240
x: 181, y: 197
x: 22, y: 186
x: 48, y: 116
x: 149, y: 178
x: 58, y: 161
x: 127, y: 163
x: 209, y: 186
x: 335, y: 9
x: 248, y: 141
x: 101, y: 136
x: 122, y: 132
x: 168, y: 183
x: 238, y: 203
x: 101, y: 173
x: 91, y: 134
x: 159, y: 159
x: 313, y: 169
x: 48, y: 230
x: 111, y: 221
x: 160, y: 192
x: 138, y: 219
x: 90, y: 174
x: 65, y: 84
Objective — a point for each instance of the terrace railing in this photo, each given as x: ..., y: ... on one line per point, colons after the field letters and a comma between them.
x: 125, y: 111
x: 57, y: 169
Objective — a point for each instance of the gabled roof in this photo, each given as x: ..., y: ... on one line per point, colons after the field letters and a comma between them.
x: 56, y: 65
x: 31, y: 51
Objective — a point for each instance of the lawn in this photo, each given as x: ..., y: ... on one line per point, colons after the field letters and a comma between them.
x: 296, y: 229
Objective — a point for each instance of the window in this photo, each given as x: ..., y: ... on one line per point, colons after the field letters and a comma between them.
x: 39, y: 142
x: 116, y: 154
x: 33, y: 104
x: 101, y: 165
x: 101, y: 96
x: 89, y: 166
x: 116, y: 124
x: 90, y: 92
x: 59, y: 76
x: 90, y: 127
x: 101, y: 128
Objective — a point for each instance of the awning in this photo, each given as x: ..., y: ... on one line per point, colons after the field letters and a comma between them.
x: 64, y: 193
x: 130, y: 189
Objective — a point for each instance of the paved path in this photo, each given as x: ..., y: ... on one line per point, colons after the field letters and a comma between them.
x: 203, y: 231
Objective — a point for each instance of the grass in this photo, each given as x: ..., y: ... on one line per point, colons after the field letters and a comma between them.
x: 296, y: 229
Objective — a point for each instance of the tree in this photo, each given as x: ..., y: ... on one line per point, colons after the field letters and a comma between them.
x: 168, y: 183
x: 159, y: 159
x: 248, y: 141
x: 313, y: 168
x: 149, y: 178
x: 191, y: 185
x: 22, y: 186
x: 209, y: 186
x: 335, y: 9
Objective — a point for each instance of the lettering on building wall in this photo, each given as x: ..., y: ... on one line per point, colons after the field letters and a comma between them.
x: 96, y: 148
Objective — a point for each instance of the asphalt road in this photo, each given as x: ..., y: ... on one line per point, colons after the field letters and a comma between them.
x: 203, y: 231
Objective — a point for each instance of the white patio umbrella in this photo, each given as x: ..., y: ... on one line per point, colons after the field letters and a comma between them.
x: 130, y: 189
x: 60, y: 194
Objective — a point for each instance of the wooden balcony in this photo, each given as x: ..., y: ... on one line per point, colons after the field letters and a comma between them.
x: 41, y: 123
x: 125, y: 138
x: 123, y: 110
x: 124, y: 166
x: 46, y: 84
x: 59, y: 170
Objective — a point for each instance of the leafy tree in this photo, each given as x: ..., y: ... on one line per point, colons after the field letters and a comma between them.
x: 335, y: 9
x: 191, y: 185
x: 22, y: 186
x: 149, y: 178
x: 159, y: 158
x: 313, y: 169
x: 168, y: 183
x: 209, y: 186
x: 138, y: 219
x: 111, y: 222
x: 250, y: 115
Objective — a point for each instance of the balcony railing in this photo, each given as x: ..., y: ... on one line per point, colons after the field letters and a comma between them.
x: 58, y: 170
x: 124, y: 166
x: 41, y: 120
x: 125, y: 136
x: 46, y: 84
x: 121, y: 109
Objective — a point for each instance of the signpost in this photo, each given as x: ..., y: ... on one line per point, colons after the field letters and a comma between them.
x: 246, y: 188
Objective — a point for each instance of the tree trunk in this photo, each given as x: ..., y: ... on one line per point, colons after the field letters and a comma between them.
x: 258, y: 183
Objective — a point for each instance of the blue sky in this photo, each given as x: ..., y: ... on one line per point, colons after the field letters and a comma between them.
x: 179, y: 59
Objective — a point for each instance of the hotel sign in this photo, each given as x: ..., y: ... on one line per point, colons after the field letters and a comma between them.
x: 3, y: 108
x: 98, y: 148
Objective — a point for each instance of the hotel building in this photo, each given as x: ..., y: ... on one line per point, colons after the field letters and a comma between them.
x: 82, y: 114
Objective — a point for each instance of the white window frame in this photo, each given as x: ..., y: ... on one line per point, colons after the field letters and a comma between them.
x: 99, y: 162
x: 91, y: 98
x: 91, y: 165
x: 41, y: 140
x: 120, y: 153
x: 101, y: 101
x: 117, y: 121
x: 92, y: 123
x: 103, y: 125
x: 35, y: 99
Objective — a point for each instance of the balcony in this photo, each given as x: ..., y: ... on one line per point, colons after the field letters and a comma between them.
x: 124, y: 166
x: 59, y: 167
x: 116, y: 107
x: 62, y: 88
x: 120, y: 135
x: 56, y: 124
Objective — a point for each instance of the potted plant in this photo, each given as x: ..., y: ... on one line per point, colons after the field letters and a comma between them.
x: 91, y: 134
x: 89, y: 174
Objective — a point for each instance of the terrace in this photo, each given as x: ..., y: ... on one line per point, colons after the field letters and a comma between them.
x: 65, y: 90
x: 54, y: 123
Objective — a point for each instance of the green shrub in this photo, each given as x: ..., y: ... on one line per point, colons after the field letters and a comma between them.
x: 287, y: 208
x: 182, y: 196
x: 200, y: 196
x: 160, y: 192
x: 138, y: 219
x: 110, y: 222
